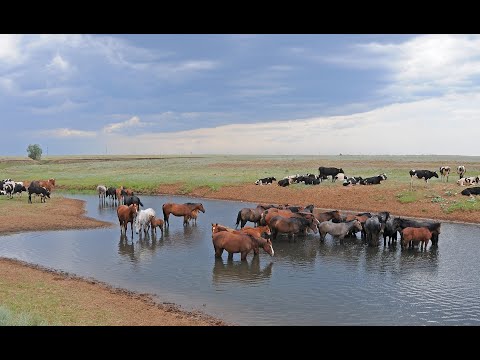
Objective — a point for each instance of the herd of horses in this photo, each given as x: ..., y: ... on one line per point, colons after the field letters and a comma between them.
x: 273, y: 220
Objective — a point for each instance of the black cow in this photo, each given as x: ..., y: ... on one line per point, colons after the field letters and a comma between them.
x: 129, y: 200
x: 38, y: 190
x: 265, y: 181
x: 283, y: 182
x: 329, y: 171
x: 422, y: 174
x: 471, y: 191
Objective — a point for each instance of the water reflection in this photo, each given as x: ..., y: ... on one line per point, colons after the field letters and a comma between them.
x: 230, y: 271
x: 333, y: 283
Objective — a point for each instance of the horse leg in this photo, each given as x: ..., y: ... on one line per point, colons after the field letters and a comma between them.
x: 230, y: 256
x: 218, y: 251
x: 244, y: 255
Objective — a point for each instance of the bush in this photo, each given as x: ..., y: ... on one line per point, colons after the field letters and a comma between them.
x: 34, y: 151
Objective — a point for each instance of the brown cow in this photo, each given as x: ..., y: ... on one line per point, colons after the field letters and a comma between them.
x: 416, y: 235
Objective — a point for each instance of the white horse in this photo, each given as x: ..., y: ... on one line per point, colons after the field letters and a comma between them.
x: 143, y: 220
x: 102, y: 191
x: 338, y: 229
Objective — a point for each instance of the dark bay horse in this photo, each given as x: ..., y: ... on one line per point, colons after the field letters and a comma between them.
x: 249, y: 214
x: 184, y: 210
x: 126, y: 214
x: 237, y: 242
x: 291, y: 226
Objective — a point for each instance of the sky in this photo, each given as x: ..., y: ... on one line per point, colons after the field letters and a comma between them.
x: 286, y: 94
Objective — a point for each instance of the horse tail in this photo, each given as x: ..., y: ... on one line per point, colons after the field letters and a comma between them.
x: 165, y: 215
x: 239, y: 218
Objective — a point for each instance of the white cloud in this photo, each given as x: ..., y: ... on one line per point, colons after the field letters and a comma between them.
x: 429, y: 126
x: 9, y: 48
x: 133, y: 122
x: 59, y: 63
x: 423, y: 64
x: 64, y: 132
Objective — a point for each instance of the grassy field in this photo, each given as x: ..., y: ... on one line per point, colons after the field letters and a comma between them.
x: 147, y: 174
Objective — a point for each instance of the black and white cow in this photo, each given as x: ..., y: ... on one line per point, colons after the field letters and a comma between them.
x: 444, y: 172
x: 422, y: 174
x: 461, y: 170
x: 352, y: 180
x: 265, y: 181
x: 19, y: 187
x: 471, y: 191
x: 472, y: 180
x: 329, y: 171
x: 374, y: 180
x: 38, y: 190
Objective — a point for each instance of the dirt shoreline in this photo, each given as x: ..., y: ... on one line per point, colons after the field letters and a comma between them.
x: 63, y: 213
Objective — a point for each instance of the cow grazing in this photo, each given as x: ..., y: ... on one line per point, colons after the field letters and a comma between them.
x: 283, y: 182
x: 38, y: 190
x: 422, y: 174
x: 329, y: 171
x: 19, y: 188
x: 265, y: 181
x: 444, y: 172
x: 461, y: 170
x: 471, y: 191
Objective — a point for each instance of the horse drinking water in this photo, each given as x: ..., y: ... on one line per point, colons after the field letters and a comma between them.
x: 184, y: 210
x: 239, y: 243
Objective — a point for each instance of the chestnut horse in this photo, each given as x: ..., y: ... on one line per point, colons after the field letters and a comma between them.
x: 236, y: 242
x: 126, y: 214
x: 256, y: 231
x: 184, y: 210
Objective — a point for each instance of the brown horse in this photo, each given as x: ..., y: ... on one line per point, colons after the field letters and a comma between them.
x: 184, y: 210
x: 255, y: 231
x: 291, y: 226
x: 126, y: 214
x: 413, y: 235
x: 156, y: 222
x: 327, y: 215
x: 239, y: 243
x: 193, y: 216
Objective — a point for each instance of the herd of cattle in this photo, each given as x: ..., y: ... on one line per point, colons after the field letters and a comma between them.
x: 339, y: 174
x: 40, y: 188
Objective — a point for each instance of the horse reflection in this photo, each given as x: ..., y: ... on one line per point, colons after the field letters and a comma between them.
x: 231, y: 271
x: 126, y: 248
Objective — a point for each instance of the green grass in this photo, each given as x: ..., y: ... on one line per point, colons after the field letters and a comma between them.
x: 10, y: 318
x: 146, y: 174
x: 470, y: 204
x: 407, y: 197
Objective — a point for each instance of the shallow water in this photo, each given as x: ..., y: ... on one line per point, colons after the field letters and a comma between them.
x: 307, y: 282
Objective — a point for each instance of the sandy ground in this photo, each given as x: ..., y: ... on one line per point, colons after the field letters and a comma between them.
x: 90, y: 297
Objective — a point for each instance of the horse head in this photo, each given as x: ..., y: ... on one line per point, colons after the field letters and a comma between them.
x: 200, y: 207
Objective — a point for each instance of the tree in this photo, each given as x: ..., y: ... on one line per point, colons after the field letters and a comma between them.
x: 34, y: 151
